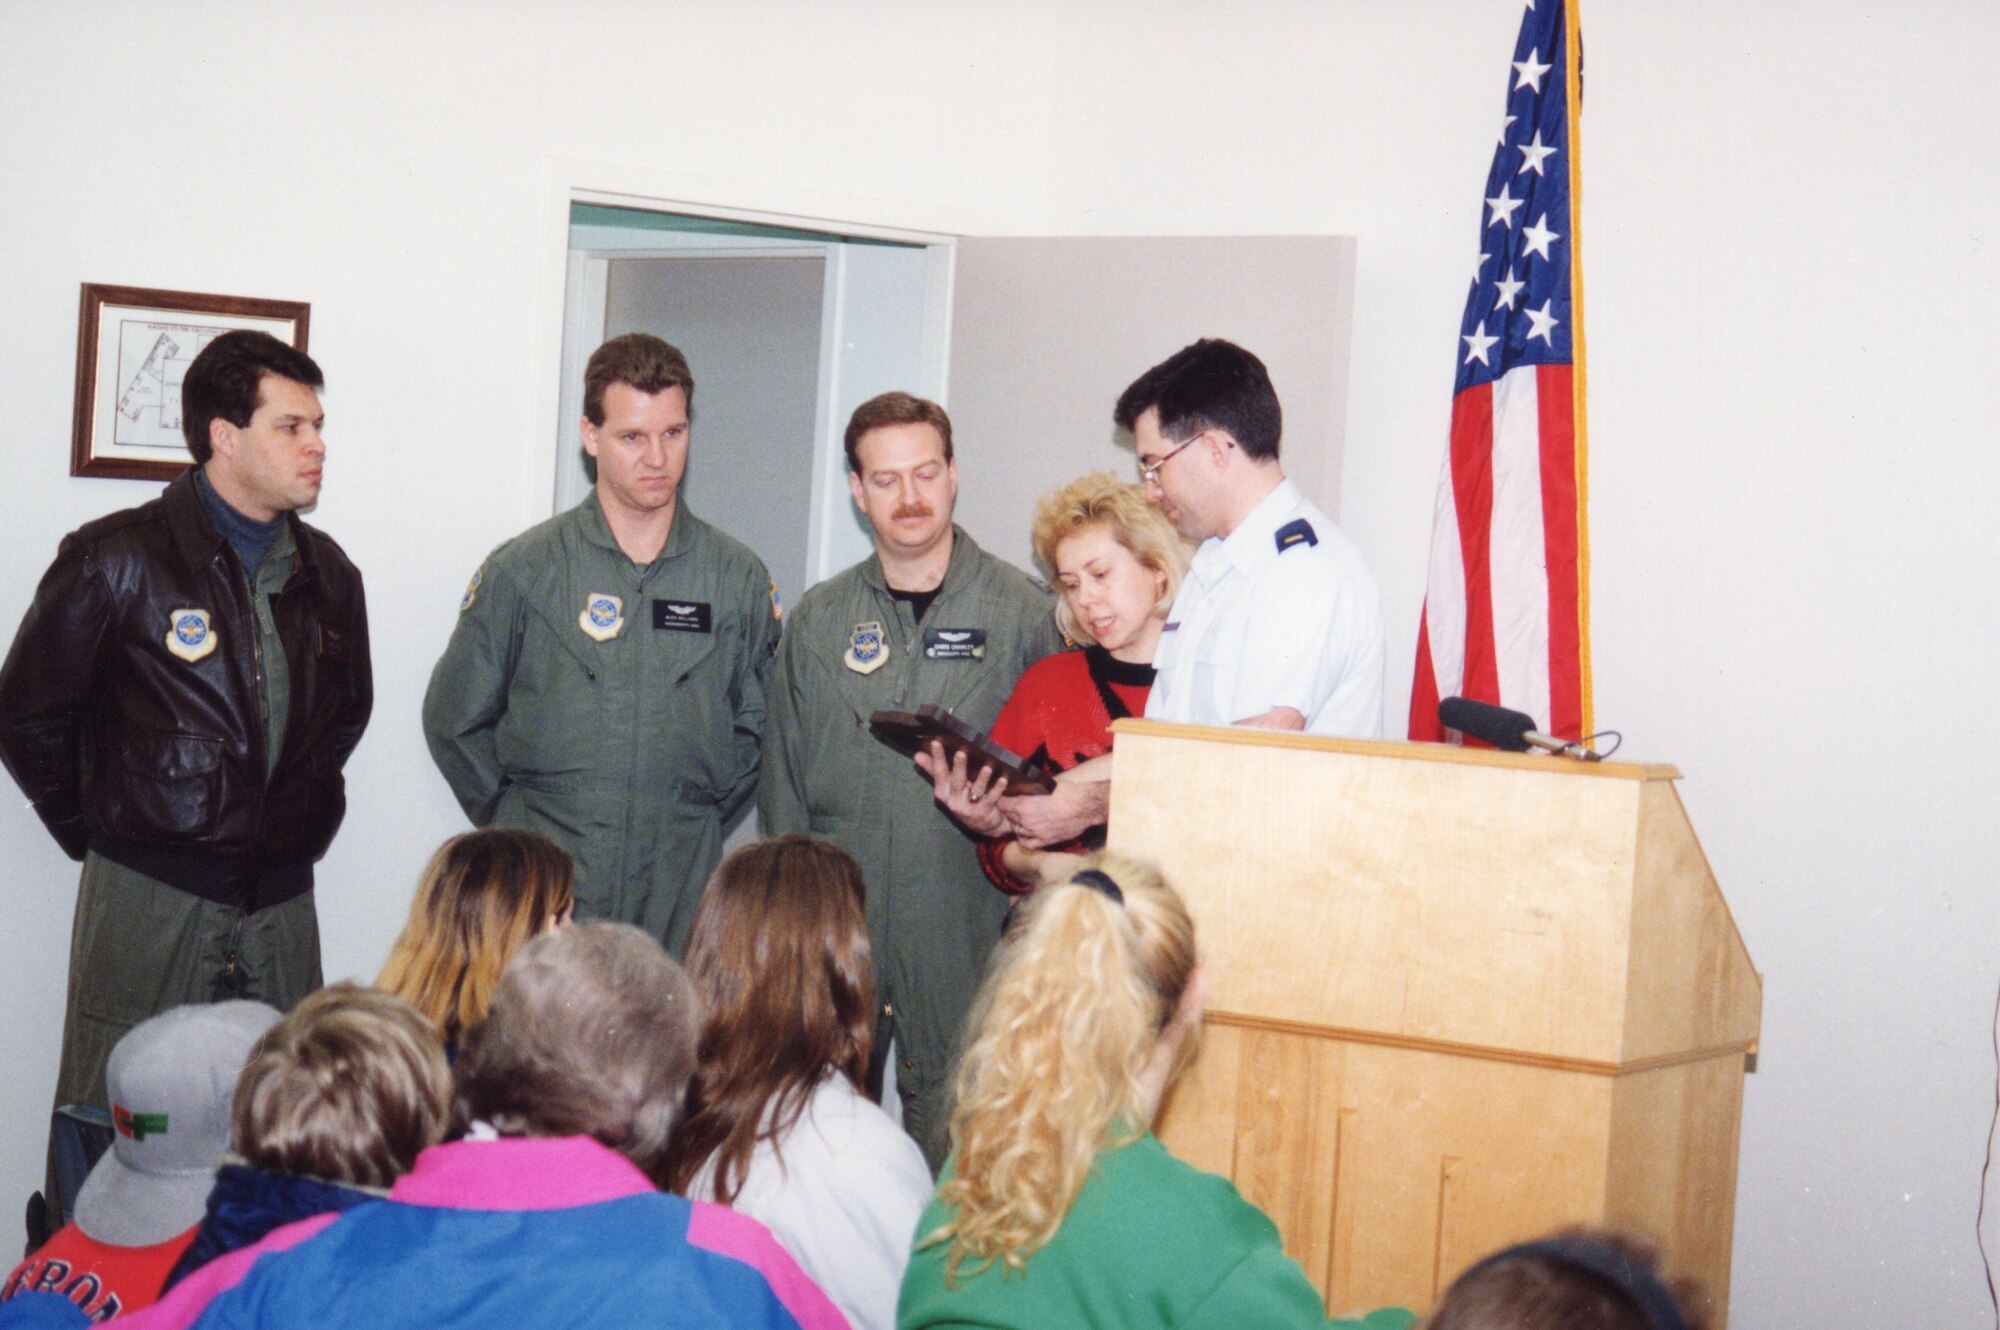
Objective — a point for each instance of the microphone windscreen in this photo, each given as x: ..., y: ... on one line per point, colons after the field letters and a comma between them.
x: 1482, y: 720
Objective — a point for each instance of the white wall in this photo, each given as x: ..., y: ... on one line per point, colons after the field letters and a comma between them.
x: 1790, y: 250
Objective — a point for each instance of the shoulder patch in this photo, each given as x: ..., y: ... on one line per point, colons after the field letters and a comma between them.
x: 471, y: 590
x: 1298, y: 531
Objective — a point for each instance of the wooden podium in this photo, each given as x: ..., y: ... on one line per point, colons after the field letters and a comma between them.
x: 1456, y: 999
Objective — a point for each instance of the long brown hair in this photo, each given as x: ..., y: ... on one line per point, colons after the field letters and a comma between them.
x: 780, y: 954
x: 483, y: 894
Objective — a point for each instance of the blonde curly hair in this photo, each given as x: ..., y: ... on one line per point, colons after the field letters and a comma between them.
x: 1100, y: 499
x: 1065, y: 1025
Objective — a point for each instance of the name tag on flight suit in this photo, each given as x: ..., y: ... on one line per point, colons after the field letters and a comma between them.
x: 954, y: 643
x: 682, y: 616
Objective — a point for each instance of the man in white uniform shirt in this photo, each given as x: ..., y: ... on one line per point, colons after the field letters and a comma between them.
x: 1277, y: 623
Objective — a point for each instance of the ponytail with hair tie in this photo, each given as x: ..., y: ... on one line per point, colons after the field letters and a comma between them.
x: 1062, y: 1031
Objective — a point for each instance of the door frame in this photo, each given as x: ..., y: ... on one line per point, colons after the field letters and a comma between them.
x: 758, y: 203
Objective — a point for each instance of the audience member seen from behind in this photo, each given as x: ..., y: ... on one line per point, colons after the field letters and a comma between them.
x: 777, y: 1123
x: 483, y: 894
x: 1059, y: 1207
x: 1118, y: 563
x: 1579, y: 1280
x: 338, y: 1100
x: 170, y: 1080
x: 546, y: 1214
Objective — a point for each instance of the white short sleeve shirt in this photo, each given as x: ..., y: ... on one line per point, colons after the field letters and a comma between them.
x: 1281, y: 613
x: 842, y: 1193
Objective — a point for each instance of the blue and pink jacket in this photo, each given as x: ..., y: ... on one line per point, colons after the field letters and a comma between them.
x: 513, y: 1232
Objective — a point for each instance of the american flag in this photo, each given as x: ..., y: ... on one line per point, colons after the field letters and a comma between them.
x: 1506, y: 614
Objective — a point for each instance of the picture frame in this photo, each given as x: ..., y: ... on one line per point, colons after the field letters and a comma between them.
x: 133, y: 344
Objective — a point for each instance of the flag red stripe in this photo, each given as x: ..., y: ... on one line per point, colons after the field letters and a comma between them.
x: 1472, y: 495
x: 1424, y: 688
x: 1556, y: 394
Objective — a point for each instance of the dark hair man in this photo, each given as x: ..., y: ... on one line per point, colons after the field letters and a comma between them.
x: 605, y: 683
x: 929, y: 617
x: 178, y: 705
x: 1277, y: 622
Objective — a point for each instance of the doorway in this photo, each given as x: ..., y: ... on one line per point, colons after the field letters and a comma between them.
x: 786, y: 331
x: 1026, y: 340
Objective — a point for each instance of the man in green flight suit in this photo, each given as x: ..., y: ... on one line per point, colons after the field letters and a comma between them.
x: 605, y: 683
x: 930, y: 618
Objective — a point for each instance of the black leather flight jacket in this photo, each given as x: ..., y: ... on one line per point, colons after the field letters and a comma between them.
x: 155, y: 755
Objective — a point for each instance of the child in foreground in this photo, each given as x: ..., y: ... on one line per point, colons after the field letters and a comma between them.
x: 1059, y: 1207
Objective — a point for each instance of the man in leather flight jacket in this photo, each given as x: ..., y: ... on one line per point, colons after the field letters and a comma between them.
x: 178, y: 703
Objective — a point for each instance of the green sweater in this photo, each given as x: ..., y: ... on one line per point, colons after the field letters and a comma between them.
x: 1150, y: 1244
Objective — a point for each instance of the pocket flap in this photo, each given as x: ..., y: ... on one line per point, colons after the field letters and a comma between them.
x: 171, y: 756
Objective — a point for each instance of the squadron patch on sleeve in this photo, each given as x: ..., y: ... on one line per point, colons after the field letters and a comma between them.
x: 867, y: 652
x: 777, y: 605
x: 189, y: 635
x: 603, y: 617
x: 471, y: 591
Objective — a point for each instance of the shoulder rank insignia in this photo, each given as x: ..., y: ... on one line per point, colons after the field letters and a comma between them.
x: 189, y: 635
x: 867, y: 652
x: 603, y: 617
x: 471, y: 591
x: 1298, y: 531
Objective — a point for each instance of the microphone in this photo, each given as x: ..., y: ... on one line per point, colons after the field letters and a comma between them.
x: 1509, y: 731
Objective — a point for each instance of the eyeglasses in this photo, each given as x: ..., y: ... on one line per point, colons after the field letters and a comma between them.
x: 1149, y: 472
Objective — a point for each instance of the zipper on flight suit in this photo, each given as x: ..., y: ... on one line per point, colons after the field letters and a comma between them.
x: 231, y: 982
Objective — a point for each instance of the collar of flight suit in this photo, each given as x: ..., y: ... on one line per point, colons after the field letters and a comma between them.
x: 965, y: 552
x: 597, y: 529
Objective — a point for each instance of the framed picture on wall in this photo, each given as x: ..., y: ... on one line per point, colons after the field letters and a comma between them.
x: 133, y: 346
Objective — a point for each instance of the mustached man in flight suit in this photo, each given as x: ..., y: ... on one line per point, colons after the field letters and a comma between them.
x: 928, y: 618
x: 605, y: 683
x: 178, y: 705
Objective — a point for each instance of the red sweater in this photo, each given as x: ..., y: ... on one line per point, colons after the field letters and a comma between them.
x: 1057, y: 717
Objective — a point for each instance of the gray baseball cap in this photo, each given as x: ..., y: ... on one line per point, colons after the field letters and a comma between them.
x: 172, y: 1079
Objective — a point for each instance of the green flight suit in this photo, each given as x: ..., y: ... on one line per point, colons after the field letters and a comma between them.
x: 932, y: 915
x: 616, y: 709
